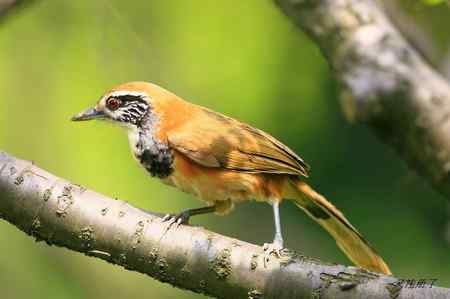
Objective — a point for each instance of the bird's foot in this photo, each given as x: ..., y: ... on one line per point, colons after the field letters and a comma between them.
x: 275, y: 249
x: 176, y: 219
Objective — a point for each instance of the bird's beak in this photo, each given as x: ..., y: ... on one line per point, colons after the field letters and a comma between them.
x: 88, y: 114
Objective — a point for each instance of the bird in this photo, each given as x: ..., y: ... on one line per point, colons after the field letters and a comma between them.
x: 223, y: 162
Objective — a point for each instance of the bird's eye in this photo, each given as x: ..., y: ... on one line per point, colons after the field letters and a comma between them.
x: 113, y: 104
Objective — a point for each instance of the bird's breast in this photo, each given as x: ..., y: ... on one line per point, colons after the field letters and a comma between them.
x: 154, y: 155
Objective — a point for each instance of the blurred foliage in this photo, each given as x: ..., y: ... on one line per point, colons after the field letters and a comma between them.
x: 434, y: 2
x: 243, y: 58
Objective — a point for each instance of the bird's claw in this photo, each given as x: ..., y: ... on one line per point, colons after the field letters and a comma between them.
x: 272, y: 249
x: 175, y: 219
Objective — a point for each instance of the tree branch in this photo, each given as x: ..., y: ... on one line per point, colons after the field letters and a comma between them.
x: 60, y: 213
x: 385, y: 83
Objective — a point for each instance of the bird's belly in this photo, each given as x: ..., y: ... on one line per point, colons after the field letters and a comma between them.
x: 213, y: 187
x: 218, y: 184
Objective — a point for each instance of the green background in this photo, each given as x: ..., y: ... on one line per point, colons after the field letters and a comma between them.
x: 242, y: 58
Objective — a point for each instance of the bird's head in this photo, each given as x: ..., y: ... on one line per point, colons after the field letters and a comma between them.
x: 127, y: 105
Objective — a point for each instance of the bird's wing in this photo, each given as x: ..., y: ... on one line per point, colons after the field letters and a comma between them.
x: 214, y: 140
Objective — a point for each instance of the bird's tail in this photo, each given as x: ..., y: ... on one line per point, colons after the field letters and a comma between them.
x: 349, y: 240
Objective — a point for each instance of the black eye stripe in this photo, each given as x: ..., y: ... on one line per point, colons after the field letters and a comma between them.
x: 129, y: 98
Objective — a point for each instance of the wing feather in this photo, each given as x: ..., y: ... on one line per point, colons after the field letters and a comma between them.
x: 214, y: 140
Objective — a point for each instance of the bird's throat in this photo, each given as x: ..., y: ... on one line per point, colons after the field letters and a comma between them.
x: 155, y: 156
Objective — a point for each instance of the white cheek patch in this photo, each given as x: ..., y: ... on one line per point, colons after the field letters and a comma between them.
x: 131, y: 111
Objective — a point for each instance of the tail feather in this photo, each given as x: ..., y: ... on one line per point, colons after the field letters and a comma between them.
x: 349, y: 240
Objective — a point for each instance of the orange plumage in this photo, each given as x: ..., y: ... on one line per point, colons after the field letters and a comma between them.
x: 222, y: 161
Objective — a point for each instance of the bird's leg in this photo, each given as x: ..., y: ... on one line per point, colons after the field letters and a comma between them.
x: 277, y: 245
x: 183, y: 217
